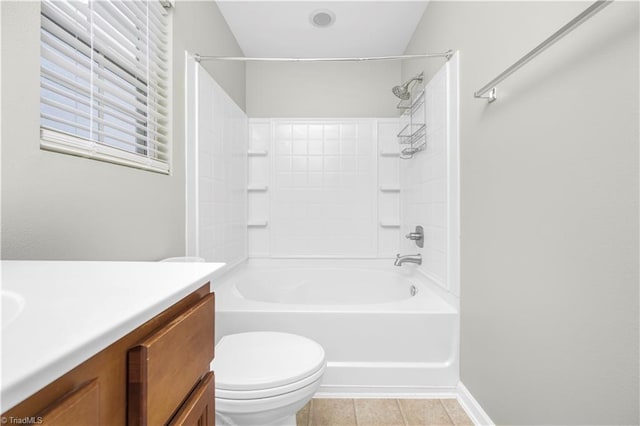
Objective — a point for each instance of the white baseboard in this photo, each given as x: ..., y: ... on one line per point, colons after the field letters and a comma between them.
x: 475, y: 412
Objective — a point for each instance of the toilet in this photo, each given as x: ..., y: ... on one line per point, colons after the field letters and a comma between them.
x: 263, y: 378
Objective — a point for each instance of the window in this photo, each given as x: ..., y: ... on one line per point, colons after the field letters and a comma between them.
x: 104, y: 81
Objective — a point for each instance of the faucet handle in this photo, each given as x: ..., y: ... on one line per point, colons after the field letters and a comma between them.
x: 417, y: 236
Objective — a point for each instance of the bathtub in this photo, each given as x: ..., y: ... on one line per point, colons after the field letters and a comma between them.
x: 386, y: 331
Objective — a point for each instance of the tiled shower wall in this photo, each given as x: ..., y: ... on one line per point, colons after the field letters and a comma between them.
x: 428, y: 183
x: 323, y: 188
x: 326, y: 187
x: 221, y: 174
x: 388, y: 188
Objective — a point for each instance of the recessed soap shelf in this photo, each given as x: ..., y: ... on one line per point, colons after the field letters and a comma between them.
x: 389, y: 188
x: 390, y: 223
x: 257, y: 188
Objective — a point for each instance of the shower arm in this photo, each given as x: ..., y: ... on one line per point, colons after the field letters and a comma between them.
x: 418, y: 78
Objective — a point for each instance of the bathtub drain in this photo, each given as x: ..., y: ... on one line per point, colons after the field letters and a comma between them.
x: 413, y: 290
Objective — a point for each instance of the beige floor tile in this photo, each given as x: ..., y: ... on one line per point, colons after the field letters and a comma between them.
x: 378, y: 412
x: 424, y: 412
x: 332, y: 412
x: 456, y: 412
x: 302, y: 416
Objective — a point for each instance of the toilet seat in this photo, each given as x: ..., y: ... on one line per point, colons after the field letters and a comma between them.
x: 270, y: 392
x: 265, y: 364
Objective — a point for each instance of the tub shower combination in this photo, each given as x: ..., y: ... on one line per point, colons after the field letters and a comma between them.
x: 385, y: 330
x: 315, y: 207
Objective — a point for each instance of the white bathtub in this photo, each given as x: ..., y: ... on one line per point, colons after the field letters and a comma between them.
x: 386, y: 331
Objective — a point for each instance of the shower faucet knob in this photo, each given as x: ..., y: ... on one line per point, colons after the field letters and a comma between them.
x: 417, y: 236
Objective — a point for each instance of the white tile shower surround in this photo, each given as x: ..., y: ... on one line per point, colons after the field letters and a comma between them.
x: 258, y: 202
x: 426, y: 196
x: 324, y: 195
x: 221, y: 174
x: 314, y: 188
x: 327, y: 187
x: 388, y: 179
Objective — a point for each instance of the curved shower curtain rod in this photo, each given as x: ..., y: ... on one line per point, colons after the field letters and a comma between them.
x: 448, y: 54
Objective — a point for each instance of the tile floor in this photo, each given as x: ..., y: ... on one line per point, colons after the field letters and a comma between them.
x: 382, y: 412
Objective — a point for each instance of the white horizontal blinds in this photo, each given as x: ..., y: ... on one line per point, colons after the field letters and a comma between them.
x: 104, y: 77
x: 66, y: 68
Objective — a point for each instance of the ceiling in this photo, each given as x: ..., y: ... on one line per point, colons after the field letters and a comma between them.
x: 284, y: 28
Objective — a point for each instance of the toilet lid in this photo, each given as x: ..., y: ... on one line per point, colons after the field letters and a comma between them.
x: 265, y: 359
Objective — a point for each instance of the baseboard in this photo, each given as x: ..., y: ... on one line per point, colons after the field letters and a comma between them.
x: 475, y: 412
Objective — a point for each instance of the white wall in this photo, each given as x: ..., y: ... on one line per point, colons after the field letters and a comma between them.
x: 549, y: 184
x: 314, y: 191
x: 199, y: 27
x: 323, y: 90
x: 57, y: 206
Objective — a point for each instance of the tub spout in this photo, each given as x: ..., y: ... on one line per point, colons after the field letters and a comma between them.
x: 409, y: 258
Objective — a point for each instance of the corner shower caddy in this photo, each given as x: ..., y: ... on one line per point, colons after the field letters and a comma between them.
x: 413, y: 136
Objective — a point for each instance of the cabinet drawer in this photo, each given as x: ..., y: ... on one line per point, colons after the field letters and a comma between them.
x: 80, y: 407
x: 166, y: 366
x: 199, y: 408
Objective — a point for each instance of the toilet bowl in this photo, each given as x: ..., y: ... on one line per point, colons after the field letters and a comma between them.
x: 263, y: 378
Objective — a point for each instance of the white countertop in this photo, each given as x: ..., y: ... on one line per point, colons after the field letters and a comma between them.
x: 73, y: 310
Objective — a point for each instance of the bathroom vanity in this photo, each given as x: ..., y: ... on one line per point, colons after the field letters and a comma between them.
x: 108, y: 343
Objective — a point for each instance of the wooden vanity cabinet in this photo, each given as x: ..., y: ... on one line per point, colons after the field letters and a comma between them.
x: 169, y: 364
x: 97, y: 391
x: 199, y: 408
x: 80, y: 407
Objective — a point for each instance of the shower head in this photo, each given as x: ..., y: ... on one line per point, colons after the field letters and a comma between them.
x: 402, y: 91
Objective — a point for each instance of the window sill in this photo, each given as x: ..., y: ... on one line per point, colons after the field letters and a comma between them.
x: 67, y: 144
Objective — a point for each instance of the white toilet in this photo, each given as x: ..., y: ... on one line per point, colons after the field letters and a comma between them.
x: 263, y: 378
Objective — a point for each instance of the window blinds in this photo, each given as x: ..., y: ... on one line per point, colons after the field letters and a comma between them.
x: 104, y: 81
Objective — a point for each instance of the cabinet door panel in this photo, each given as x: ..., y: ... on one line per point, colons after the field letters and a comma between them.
x: 199, y: 408
x: 166, y: 366
x: 80, y: 407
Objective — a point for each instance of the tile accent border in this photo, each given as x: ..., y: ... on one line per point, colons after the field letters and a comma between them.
x: 475, y: 412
